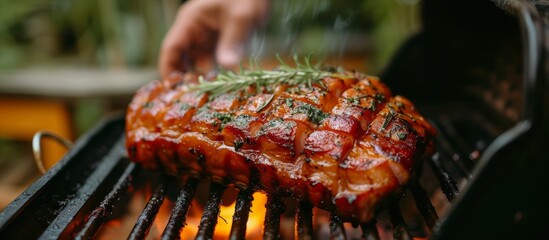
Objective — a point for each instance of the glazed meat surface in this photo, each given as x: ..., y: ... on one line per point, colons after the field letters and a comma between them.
x: 345, y: 143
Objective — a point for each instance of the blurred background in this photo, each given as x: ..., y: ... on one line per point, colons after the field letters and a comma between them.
x: 66, y: 64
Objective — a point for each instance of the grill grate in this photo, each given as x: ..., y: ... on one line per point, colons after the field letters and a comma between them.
x: 274, y: 206
x: 115, y: 177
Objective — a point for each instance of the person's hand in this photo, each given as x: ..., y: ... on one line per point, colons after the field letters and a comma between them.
x: 207, y: 28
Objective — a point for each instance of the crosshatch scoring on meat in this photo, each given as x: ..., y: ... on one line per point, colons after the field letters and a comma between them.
x: 344, y: 143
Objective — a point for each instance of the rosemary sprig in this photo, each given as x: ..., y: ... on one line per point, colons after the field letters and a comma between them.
x: 229, y: 81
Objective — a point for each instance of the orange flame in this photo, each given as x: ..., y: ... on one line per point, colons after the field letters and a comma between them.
x: 255, y: 219
x: 254, y: 226
x: 225, y: 219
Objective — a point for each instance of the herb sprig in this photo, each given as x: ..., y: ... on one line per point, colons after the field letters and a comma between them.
x: 228, y: 81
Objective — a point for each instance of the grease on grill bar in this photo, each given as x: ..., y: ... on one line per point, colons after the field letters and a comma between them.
x: 241, y: 214
x: 447, y: 183
x: 274, y: 208
x: 179, y: 212
x: 98, y: 216
x: 144, y: 222
x: 211, y: 212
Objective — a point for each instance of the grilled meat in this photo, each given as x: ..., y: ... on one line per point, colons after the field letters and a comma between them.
x: 345, y: 144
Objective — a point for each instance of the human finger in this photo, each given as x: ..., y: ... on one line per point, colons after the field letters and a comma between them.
x: 234, y: 33
x: 174, y: 51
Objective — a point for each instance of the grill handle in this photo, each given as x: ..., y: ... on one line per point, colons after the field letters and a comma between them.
x: 37, y: 146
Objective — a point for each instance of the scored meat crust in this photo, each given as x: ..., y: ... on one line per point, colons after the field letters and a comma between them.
x: 345, y: 143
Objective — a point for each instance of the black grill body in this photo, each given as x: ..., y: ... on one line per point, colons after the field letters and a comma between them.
x: 489, y: 56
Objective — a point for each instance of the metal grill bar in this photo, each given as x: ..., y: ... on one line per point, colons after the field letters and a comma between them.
x: 399, y: 226
x: 144, y: 222
x: 274, y: 209
x: 58, y: 196
x: 369, y: 231
x: 88, y: 195
x: 304, y: 217
x: 241, y: 213
x: 337, y: 231
x: 211, y: 212
x: 423, y: 204
x: 99, y: 214
x: 452, y: 142
x: 447, y: 184
x: 179, y: 212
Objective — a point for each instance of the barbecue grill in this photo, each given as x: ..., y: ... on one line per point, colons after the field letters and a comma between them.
x: 481, y: 69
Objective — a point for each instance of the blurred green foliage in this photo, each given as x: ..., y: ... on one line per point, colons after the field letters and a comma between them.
x: 117, y: 33
x: 127, y: 33
x: 393, y: 22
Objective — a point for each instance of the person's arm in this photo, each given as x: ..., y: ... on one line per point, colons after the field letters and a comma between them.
x: 206, y: 29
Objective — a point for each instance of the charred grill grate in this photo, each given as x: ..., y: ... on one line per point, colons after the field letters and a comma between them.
x: 113, y: 180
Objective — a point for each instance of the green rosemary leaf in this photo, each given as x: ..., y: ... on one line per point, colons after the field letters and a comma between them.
x: 388, y: 118
x: 314, y: 114
x: 227, y: 81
